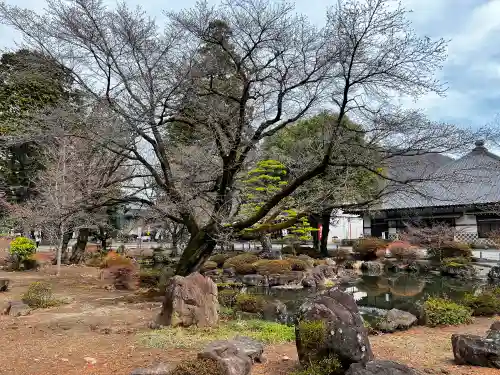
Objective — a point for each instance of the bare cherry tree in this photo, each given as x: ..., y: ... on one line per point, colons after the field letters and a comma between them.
x: 198, y: 96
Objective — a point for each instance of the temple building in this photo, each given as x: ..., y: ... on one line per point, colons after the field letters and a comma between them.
x: 463, y: 193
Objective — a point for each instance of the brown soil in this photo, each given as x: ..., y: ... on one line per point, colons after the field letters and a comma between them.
x: 102, y: 324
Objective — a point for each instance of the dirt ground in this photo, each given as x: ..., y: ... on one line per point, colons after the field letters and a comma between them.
x: 96, y: 334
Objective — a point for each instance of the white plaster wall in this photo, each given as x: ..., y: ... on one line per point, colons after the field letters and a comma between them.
x: 466, y: 224
x: 346, y: 227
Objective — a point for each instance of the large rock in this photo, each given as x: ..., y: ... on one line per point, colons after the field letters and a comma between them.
x: 396, y: 320
x: 476, y: 350
x: 330, y: 325
x: 189, y: 301
x: 318, y: 275
x: 250, y: 347
x: 275, y: 311
x: 159, y: 369
x: 288, y: 278
x: 232, y: 358
x: 255, y: 280
x: 465, y: 271
x: 494, y: 274
x: 373, y: 268
x: 17, y: 308
x: 381, y: 368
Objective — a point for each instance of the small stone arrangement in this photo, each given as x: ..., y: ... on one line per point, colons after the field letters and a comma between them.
x: 235, y: 357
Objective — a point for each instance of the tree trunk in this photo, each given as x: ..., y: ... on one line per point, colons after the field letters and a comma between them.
x: 197, y: 251
x: 325, y: 231
x: 315, y: 234
x: 175, y: 243
x: 78, y: 254
x: 66, y: 237
x: 104, y: 239
x: 265, y: 241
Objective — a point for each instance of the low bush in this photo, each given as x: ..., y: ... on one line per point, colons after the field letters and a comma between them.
x: 124, y: 277
x: 21, y: 250
x: 307, y: 259
x: 442, y: 311
x: 487, y: 303
x: 199, y: 366
x: 456, y: 262
x: 39, y: 295
x: 451, y: 249
x: 227, y: 297
x: 113, y: 259
x: 94, y: 259
x: 149, y: 277
x: 369, y: 248
x: 301, y: 250
x: 269, y: 267
x: 249, y: 303
x: 208, y: 266
x: 242, y: 264
x: 298, y: 264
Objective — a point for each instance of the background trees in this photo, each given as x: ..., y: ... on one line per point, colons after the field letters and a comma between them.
x: 232, y: 76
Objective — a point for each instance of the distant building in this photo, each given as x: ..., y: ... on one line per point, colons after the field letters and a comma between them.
x: 463, y: 193
x: 346, y: 226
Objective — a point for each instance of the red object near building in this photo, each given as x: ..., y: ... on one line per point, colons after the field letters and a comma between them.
x: 320, y: 230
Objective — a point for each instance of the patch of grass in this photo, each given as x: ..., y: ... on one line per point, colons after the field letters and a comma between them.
x: 326, y: 366
x: 329, y: 283
x: 456, y: 262
x: 441, y: 311
x: 227, y: 297
x: 194, y: 338
x: 268, y: 267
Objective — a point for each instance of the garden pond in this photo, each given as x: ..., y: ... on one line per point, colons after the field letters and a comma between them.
x: 401, y: 291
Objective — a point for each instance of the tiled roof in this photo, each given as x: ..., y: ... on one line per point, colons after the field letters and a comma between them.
x: 471, y: 179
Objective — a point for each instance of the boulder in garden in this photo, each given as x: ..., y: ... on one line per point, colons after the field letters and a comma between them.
x: 381, y: 368
x: 190, y: 300
x: 231, y: 357
x: 17, y: 308
x: 330, y: 326
x: 396, y: 320
x: 476, y: 350
x: 494, y: 274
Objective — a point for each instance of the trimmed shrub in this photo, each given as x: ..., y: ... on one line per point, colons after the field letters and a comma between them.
x: 301, y: 250
x: 227, y: 297
x: 451, y: 249
x: 39, y: 295
x: 457, y: 262
x: 124, y: 277
x: 403, y: 250
x: 242, y: 264
x: 221, y: 258
x: 249, y: 303
x: 486, y: 303
x: 369, y: 248
x: 94, y: 260
x: 208, y: 266
x: 307, y: 259
x: 269, y: 267
x: 340, y: 255
x: 21, y: 249
x: 298, y: 264
x: 149, y: 277
x: 113, y: 259
x: 199, y: 366
x: 442, y: 311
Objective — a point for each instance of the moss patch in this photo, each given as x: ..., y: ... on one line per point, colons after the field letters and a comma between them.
x: 312, y: 333
x: 326, y: 366
x: 193, y: 338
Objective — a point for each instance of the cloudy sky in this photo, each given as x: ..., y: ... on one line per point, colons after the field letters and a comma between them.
x: 472, y: 71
